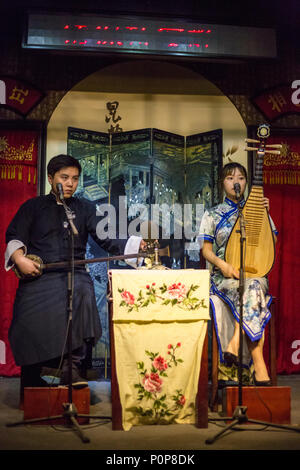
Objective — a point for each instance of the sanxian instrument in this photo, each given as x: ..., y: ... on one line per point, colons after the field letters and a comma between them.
x: 77, y: 262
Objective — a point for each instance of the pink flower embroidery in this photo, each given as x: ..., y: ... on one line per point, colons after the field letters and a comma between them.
x: 181, y: 401
x: 152, y: 383
x: 177, y: 291
x: 160, y: 363
x: 127, y: 297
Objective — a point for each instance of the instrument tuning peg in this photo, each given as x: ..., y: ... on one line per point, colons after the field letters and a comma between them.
x: 276, y: 152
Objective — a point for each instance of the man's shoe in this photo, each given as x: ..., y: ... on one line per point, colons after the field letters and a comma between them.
x: 77, y: 381
x: 36, y: 382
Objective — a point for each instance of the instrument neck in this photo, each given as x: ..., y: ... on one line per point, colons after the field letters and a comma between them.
x: 258, y: 176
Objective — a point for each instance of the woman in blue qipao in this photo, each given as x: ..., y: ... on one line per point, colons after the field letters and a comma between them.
x: 215, y: 229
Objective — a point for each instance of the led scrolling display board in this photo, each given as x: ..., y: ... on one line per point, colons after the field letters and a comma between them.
x: 102, y: 33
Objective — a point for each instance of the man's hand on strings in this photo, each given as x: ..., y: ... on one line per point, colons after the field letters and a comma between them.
x: 143, y: 245
x: 26, y: 266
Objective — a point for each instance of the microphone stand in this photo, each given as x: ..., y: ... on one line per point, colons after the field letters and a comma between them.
x: 70, y: 408
x: 240, y: 413
x: 241, y: 289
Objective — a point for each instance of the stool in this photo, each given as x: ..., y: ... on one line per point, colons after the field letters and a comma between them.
x: 44, y: 402
x: 215, y: 357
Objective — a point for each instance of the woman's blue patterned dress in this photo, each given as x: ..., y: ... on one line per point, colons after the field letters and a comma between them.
x: 216, y: 226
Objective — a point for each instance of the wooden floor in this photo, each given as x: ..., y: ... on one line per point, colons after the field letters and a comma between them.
x: 183, y: 438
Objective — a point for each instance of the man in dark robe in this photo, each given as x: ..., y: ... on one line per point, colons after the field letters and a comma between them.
x: 38, y: 331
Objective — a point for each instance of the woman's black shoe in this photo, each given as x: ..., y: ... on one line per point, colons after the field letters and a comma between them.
x: 230, y: 359
x: 261, y: 383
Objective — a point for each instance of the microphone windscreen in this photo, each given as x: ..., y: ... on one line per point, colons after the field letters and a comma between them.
x: 237, y: 187
x: 60, y: 191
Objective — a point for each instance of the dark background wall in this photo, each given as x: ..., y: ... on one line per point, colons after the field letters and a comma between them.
x: 55, y: 73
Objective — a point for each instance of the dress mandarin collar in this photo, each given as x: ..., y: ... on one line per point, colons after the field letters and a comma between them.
x: 232, y: 203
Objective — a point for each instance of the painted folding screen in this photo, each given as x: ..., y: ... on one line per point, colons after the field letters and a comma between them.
x: 142, y: 171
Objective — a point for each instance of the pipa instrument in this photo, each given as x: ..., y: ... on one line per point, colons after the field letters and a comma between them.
x: 259, y: 246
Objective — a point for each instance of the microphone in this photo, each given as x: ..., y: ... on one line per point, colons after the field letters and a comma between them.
x: 237, y: 189
x: 60, y: 191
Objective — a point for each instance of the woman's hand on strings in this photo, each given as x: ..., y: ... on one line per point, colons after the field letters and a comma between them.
x: 226, y: 268
x: 266, y: 203
x: 229, y: 271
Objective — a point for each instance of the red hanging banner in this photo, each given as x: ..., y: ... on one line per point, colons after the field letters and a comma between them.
x: 282, y: 187
x: 283, y: 168
x: 278, y: 101
x: 18, y: 182
x: 19, y: 95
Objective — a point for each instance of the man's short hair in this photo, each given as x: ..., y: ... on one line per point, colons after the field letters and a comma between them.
x: 62, y: 161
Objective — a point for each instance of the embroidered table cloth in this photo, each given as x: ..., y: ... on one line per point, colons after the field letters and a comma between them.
x: 159, y: 322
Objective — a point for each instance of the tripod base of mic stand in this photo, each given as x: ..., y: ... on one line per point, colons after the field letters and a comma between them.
x: 240, y: 417
x: 70, y: 414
